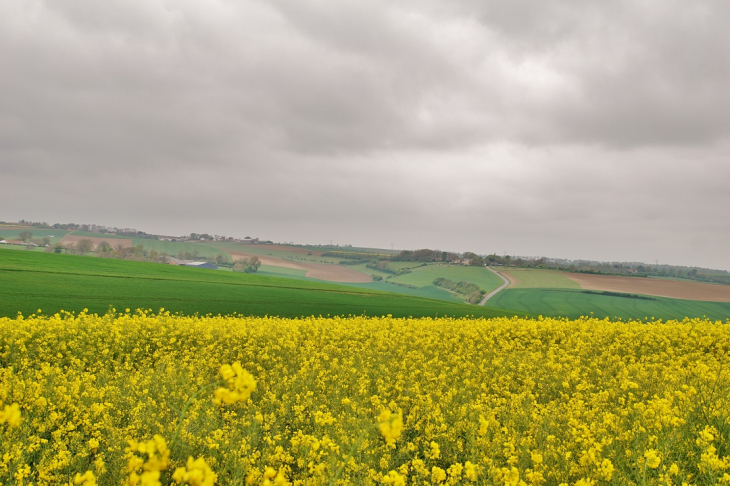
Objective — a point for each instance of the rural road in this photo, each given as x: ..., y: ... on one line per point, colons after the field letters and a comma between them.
x: 491, y: 294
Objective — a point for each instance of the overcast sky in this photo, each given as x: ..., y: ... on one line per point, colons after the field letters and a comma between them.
x: 575, y: 129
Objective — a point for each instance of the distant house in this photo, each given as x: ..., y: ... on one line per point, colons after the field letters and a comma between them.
x: 3, y: 242
x: 209, y: 265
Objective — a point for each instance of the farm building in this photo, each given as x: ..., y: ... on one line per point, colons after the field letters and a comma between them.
x: 212, y: 266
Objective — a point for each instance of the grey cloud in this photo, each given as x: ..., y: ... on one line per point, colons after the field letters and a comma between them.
x: 565, y: 128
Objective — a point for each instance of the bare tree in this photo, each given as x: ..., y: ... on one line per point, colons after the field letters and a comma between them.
x: 84, y: 246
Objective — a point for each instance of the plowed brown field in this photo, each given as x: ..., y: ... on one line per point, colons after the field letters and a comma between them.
x: 651, y: 286
x: 320, y: 271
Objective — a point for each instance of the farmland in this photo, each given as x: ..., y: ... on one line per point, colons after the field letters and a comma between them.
x: 319, y: 271
x: 577, y: 303
x: 53, y: 282
x: 424, y: 276
x: 677, y: 289
x: 127, y: 398
x: 529, y: 278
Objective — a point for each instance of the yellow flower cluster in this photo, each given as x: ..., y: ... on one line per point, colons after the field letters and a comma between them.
x: 195, y: 473
x: 391, y: 426
x: 146, y: 460
x: 240, y: 385
x: 367, y: 401
x: 10, y: 415
x: 86, y: 479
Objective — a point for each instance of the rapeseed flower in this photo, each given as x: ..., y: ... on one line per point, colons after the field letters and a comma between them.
x: 391, y: 426
x: 240, y: 385
x: 195, y: 473
x: 652, y: 458
x: 499, y: 401
x: 10, y: 415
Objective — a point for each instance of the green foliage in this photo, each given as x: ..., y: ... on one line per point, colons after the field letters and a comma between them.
x: 462, y: 287
x: 247, y: 265
x: 471, y: 291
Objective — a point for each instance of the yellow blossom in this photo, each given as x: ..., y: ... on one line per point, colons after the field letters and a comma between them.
x: 240, y: 385
x: 390, y: 425
x: 10, y: 415
x: 652, y: 458
x: 437, y: 474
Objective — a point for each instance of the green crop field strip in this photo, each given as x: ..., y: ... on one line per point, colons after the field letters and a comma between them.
x: 430, y: 292
x: 281, y: 271
x: 577, y: 303
x: 52, y: 282
x: 534, y: 278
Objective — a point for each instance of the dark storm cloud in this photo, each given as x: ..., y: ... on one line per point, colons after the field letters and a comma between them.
x: 572, y: 128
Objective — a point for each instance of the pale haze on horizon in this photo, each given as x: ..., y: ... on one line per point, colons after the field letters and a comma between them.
x: 569, y: 129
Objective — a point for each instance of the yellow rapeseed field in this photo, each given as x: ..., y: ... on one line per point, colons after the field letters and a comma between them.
x: 140, y: 399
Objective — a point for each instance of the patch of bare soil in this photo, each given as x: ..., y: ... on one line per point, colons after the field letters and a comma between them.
x: 513, y: 281
x: 70, y: 240
x: 320, y: 271
x: 335, y: 273
x: 674, y: 289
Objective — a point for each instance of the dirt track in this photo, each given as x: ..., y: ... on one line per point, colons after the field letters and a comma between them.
x: 320, y: 271
x: 651, y: 286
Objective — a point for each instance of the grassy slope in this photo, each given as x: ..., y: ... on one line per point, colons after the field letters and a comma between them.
x: 53, y: 282
x: 576, y: 303
x: 531, y: 278
x: 281, y: 271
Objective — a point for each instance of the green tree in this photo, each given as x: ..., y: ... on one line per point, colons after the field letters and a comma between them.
x: 247, y: 265
x: 25, y: 236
